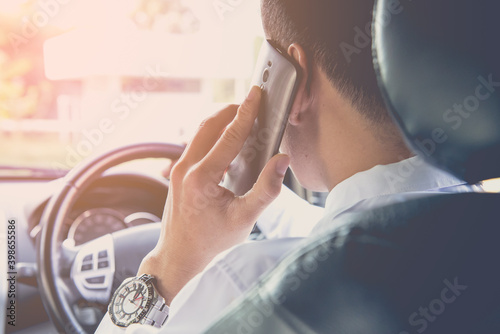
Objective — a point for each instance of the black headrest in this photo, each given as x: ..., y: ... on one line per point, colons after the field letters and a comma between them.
x: 438, y: 66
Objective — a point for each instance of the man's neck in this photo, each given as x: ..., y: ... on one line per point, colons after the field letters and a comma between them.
x: 351, y: 145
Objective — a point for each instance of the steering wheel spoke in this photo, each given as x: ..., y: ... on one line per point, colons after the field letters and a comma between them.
x: 93, y: 269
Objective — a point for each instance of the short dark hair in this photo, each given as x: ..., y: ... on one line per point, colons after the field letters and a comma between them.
x: 336, y: 34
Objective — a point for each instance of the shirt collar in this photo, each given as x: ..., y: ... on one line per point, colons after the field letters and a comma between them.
x: 410, y: 175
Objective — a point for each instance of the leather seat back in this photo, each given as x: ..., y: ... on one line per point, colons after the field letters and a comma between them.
x: 427, y: 265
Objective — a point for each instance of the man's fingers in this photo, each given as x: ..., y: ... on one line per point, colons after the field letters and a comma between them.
x: 266, y: 189
x: 208, y: 133
x: 233, y: 138
x: 166, y: 172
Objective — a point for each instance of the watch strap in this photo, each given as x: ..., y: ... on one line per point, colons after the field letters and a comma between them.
x: 158, y: 314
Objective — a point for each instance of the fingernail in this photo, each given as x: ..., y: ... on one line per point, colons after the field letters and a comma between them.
x: 253, y: 93
x: 282, y: 165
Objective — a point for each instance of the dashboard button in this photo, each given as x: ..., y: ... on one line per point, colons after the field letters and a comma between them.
x: 86, y: 267
x: 95, y: 280
x: 102, y: 254
x: 103, y: 264
x: 87, y: 258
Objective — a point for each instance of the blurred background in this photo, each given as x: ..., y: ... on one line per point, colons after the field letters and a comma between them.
x: 80, y: 77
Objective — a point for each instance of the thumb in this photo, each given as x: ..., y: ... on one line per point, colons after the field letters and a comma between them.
x: 267, y: 187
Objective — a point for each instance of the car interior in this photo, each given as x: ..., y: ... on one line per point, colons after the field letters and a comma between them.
x: 423, y: 265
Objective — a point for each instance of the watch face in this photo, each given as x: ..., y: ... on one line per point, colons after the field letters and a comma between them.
x: 131, y: 302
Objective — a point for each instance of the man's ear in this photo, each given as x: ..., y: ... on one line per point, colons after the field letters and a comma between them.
x: 303, y: 98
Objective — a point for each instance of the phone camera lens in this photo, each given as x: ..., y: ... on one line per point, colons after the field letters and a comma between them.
x: 265, y: 76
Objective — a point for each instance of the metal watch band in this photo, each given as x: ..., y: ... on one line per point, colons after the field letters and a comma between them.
x: 158, y: 314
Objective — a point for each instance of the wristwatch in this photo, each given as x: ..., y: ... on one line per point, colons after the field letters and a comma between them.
x: 137, y: 301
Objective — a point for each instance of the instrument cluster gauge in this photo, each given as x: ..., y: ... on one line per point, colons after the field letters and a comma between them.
x: 141, y: 218
x: 95, y: 223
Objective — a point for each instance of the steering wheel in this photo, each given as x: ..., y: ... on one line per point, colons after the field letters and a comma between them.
x: 67, y: 274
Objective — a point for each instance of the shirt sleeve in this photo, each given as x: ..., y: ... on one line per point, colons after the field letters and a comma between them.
x: 226, y: 278
x: 201, y: 301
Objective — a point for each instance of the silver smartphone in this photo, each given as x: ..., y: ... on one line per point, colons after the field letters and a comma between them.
x: 278, y: 75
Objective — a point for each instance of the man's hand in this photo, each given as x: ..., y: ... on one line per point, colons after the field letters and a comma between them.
x: 201, y: 218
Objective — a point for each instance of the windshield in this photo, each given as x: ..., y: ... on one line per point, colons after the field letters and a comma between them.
x: 80, y: 77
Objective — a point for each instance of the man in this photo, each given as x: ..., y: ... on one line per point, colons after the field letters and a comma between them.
x: 339, y: 138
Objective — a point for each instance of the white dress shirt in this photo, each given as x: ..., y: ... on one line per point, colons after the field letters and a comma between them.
x: 285, y: 223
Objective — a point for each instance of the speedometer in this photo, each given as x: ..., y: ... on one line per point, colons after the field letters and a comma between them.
x: 95, y: 223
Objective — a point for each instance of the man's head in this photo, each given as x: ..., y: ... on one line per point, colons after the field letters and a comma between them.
x: 331, y: 40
